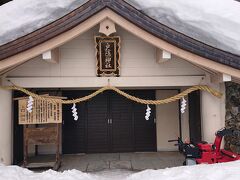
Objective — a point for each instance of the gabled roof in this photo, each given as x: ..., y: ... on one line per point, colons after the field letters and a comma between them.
x: 131, y: 14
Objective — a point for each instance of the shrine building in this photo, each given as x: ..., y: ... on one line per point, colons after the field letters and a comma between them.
x: 103, y: 43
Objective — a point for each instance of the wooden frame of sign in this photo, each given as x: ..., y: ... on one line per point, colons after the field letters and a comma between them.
x: 107, y: 55
x: 47, y: 114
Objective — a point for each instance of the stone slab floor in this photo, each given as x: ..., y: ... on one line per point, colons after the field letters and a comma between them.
x: 125, y: 161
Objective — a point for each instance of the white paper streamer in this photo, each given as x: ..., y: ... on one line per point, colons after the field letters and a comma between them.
x: 30, y: 104
x: 183, y: 105
x: 74, y: 111
x: 148, y: 113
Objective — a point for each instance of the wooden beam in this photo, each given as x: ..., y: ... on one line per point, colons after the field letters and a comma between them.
x: 221, y: 78
x: 226, y: 78
x: 51, y: 56
x: 162, y: 55
x: 107, y: 27
x: 96, y: 82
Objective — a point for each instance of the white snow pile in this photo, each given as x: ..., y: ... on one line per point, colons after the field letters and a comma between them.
x: 214, y: 22
x: 223, y: 171
x: 20, y: 17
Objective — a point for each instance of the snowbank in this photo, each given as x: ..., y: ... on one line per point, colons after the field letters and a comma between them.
x: 224, y: 171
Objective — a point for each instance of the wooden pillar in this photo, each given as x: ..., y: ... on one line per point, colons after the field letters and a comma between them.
x: 213, y: 112
x: 6, y: 127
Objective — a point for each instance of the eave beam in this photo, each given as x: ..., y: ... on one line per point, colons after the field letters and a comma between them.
x: 162, y: 55
x: 51, y: 56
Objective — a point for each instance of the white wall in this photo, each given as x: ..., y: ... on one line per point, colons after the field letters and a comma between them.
x: 5, y: 127
x: 167, y: 116
x: 77, y: 59
x: 213, y: 112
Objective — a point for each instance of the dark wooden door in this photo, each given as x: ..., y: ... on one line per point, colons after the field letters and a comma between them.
x: 18, y: 133
x: 109, y: 123
x: 145, y: 131
x: 98, y: 135
x: 121, y: 124
x: 195, y: 116
x: 74, y: 132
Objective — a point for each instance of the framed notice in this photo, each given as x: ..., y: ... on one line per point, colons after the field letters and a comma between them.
x: 108, y: 55
x: 43, y: 111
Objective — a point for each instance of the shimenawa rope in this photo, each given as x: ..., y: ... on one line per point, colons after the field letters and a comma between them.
x: 128, y: 96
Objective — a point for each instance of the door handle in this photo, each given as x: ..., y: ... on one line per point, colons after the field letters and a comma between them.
x: 109, y: 121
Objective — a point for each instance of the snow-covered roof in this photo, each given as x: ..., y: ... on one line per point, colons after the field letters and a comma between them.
x: 20, y: 17
x: 214, y: 22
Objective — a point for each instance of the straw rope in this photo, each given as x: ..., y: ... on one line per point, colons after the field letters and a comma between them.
x: 128, y: 96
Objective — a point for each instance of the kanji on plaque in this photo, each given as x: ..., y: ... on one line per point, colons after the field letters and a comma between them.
x: 108, y: 55
x: 43, y: 112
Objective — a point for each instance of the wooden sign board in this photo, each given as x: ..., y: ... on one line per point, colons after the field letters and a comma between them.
x: 108, y: 55
x: 43, y: 112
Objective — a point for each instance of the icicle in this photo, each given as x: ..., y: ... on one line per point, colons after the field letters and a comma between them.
x: 74, y: 111
x: 148, y: 112
x: 30, y: 104
x: 183, y: 105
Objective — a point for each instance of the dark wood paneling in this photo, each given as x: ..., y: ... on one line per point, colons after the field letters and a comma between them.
x: 92, y: 133
x: 18, y: 133
x: 97, y: 124
x: 122, y: 124
x: 145, y: 131
x: 195, y: 116
x: 74, y: 132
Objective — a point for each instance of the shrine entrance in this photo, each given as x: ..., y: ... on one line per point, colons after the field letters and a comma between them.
x: 109, y: 123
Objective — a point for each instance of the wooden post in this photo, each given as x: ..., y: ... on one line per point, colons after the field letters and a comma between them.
x: 58, y: 144
x: 25, y: 146
x: 50, y: 115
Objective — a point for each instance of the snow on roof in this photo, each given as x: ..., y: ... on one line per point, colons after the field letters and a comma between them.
x: 214, y: 22
x: 20, y: 17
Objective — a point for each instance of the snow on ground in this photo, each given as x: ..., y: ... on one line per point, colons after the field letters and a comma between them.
x: 223, y: 171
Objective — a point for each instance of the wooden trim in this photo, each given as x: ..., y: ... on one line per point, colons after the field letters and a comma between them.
x: 107, y: 13
x: 96, y: 82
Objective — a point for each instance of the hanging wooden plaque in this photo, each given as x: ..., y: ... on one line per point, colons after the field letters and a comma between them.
x: 43, y: 112
x: 108, y: 55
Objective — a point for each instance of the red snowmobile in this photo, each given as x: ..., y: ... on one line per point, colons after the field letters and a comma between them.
x: 206, y: 153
